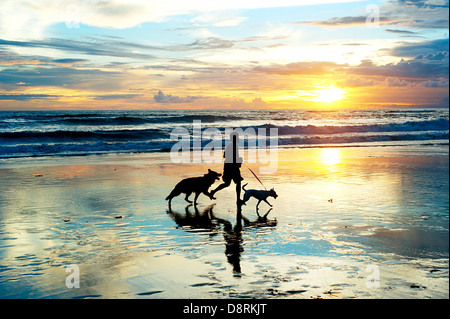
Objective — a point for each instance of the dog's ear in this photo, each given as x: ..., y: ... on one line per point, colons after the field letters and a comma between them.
x: 209, y: 171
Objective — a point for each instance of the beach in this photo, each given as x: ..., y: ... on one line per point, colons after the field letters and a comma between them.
x: 316, y: 131
x: 351, y: 222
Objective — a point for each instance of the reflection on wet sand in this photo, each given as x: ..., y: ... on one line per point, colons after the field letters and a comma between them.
x: 389, y: 208
x: 198, y: 220
x: 233, y: 240
x: 261, y: 221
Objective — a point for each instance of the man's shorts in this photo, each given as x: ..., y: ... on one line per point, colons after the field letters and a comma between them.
x: 231, y: 172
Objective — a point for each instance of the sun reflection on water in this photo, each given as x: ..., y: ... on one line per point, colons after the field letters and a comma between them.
x: 330, y: 156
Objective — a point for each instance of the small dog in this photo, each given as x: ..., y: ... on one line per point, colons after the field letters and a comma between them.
x: 195, y: 185
x: 260, y: 195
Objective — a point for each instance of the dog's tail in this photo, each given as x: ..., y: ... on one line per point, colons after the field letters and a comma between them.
x: 243, y: 186
x: 170, y: 196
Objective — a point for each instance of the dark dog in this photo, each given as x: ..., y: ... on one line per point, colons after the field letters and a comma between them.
x: 260, y: 195
x: 195, y: 185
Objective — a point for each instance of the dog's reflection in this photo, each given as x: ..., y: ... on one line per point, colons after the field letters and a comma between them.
x: 206, y: 220
x: 197, y: 220
x: 261, y: 221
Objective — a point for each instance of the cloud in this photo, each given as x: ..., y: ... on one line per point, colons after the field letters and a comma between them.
x: 96, y: 46
x: 396, y: 82
x: 428, y: 60
x: 255, y: 103
x: 207, y: 44
x: 441, y: 83
x: 424, y: 3
x: 299, y: 68
x: 90, y: 79
x: 407, y: 32
x: 70, y: 61
x: 218, y: 19
x: 412, y: 49
x: 428, y: 71
x: 11, y: 58
x: 116, y: 96
x: 355, y: 82
x: 415, y: 69
x: 420, y: 14
x: 434, y: 56
x: 16, y: 17
x: 417, y: 14
x: 347, y: 21
x: 25, y: 97
x: 163, y: 98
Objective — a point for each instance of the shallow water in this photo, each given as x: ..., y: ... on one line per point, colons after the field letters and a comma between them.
x: 107, y: 215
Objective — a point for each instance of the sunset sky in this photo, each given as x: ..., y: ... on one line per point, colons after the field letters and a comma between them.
x: 171, y: 54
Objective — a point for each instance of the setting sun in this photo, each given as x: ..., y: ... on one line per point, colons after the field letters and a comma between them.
x: 328, y: 94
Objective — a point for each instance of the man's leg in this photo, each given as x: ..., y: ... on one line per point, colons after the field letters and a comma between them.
x: 220, y: 187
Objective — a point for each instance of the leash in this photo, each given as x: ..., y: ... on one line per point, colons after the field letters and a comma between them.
x: 255, y: 176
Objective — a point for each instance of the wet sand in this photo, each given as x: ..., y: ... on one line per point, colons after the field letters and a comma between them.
x: 350, y: 223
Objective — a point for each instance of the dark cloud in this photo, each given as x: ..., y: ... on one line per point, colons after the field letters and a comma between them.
x: 345, y: 21
x: 433, y: 56
x: 25, y: 97
x: 414, y: 69
x: 163, y: 98
x: 422, y: 3
x: 70, y: 61
x: 95, y: 46
x: 435, y: 66
x: 8, y: 57
x: 337, y: 21
x: 415, y: 14
x: 401, y: 31
x: 440, y: 83
x: 356, y: 82
x: 430, y: 23
x: 407, y: 49
x: 430, y: 71
x: 116, y: 96
x: 60, y: 77
x: 115, y: 47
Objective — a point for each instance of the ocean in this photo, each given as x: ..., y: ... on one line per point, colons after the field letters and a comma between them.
x: 71, y: 133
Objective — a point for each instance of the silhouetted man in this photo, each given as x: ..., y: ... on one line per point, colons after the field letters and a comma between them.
x: 231, y: 167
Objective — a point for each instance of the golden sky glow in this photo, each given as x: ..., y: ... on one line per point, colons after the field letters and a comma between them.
x: 328, y: 94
